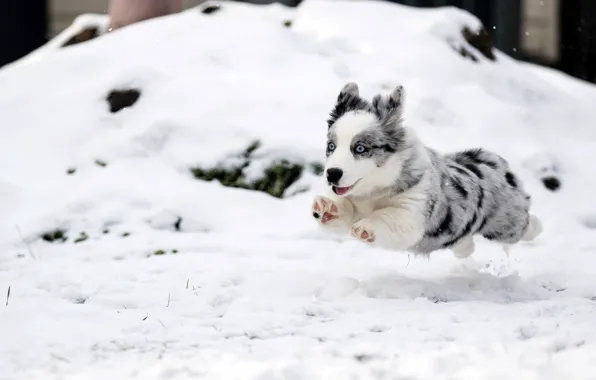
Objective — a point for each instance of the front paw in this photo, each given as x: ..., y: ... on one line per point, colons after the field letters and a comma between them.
x: 364, y: 231
x: 324, y: 209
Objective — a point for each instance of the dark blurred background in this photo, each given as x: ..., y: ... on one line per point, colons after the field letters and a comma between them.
x: 555, y: 33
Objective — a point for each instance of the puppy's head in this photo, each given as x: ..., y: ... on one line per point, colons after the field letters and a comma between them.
x: 366, y: 142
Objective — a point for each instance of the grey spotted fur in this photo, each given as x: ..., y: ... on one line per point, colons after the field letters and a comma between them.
x: 473, y: 192
x: 470, y: 192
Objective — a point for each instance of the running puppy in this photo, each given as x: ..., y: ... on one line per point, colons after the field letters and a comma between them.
x: 389, y: 189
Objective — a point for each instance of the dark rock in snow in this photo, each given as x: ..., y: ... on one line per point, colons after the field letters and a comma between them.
x: 481, y: 40
x: 82, y: 36
x: 177, y: 224
x: 551, y: 183
x: 120, y: 99
x: 546, y: 168
x: 210, y: 8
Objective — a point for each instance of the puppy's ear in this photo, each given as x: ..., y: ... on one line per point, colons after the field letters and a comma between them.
x: 397, y: 96
x: 389, y: 109
x: 348, y: 100
x: 350, y: 89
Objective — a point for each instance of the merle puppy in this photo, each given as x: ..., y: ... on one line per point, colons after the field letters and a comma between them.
x: 389, y: 189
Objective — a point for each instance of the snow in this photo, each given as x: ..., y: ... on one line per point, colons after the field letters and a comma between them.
x: 247, y: 287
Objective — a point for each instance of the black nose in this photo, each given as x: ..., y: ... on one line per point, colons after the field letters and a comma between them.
x: 334, y: 175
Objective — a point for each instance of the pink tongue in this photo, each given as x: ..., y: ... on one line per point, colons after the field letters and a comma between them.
x: 341, y: 190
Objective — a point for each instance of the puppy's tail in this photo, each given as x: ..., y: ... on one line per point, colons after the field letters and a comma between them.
x: 534, y: 228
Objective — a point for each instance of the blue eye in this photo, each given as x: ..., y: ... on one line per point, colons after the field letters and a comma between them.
x: 359, y: 149
x: 331, y: 147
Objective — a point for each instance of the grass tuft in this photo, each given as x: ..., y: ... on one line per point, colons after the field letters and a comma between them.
x: 57, y: 235
x: 82, y: 237
x: 276, y: 179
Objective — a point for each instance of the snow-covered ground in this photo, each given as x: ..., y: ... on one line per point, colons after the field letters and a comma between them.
x: 247, y: 287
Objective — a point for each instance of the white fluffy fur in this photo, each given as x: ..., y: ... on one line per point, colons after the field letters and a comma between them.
x: 393, y: 221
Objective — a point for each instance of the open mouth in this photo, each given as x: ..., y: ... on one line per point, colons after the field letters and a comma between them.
x: 343, y: 190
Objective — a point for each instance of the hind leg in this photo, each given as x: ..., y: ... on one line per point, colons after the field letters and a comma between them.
x: 511, y: 236
x: 463, y: 248
x: 533, y: 230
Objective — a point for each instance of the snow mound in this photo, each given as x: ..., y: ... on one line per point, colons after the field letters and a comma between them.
x: 121, y: 245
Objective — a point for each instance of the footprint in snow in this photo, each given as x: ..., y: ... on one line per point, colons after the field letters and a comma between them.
x: 338, y: 288
x: 156, y: 136
x: 589, y: 221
